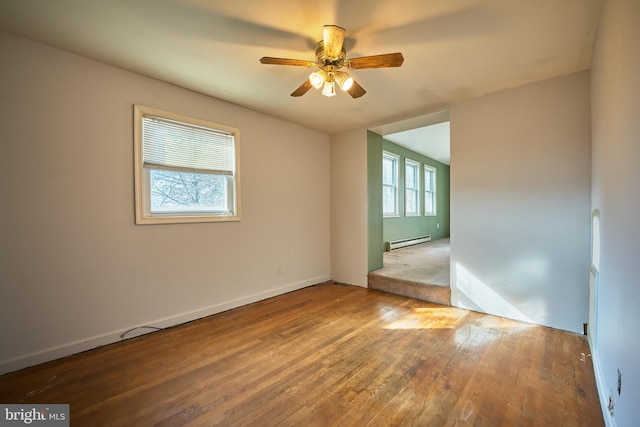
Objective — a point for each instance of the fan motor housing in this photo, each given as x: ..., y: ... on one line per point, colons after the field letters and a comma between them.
x: 323, y: 60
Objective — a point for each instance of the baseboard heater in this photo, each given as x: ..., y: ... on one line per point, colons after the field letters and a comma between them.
x: 403, y: 243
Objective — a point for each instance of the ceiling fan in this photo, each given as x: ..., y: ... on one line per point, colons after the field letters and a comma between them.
x: 330, y: 60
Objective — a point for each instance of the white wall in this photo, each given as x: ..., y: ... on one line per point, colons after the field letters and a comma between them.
x: 75, y: 270
x: 349, y: 226
x: 615, y: 100
x: 520, y: 213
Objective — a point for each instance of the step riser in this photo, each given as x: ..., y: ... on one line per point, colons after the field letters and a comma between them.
x: 431, y: 293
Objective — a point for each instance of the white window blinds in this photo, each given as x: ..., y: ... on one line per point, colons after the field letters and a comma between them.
x: 186, y: 147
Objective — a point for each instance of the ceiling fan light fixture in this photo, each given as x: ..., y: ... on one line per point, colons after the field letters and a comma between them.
x: 329, y: 89
x: 318, y: 78
x: 345, y: 81
x: 331, y: 56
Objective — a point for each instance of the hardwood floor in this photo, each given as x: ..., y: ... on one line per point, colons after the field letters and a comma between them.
x: 327, y: 355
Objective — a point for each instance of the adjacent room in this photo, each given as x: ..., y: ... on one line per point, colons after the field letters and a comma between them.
x: 197, y: 196
x: 415, y: 187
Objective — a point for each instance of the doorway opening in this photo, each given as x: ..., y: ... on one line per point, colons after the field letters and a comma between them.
x: 408, y: 179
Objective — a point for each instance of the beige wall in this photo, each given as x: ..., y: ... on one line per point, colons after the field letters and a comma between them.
x: 520, y: 194
x: 520, y: 191
x: 76, y: 271
x: 615, y: 109
x: 349, y: 256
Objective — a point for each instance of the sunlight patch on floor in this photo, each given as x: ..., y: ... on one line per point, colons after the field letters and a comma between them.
x: 429, y: 318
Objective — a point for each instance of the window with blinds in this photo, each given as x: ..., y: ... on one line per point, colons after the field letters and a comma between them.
x: 186, y: 169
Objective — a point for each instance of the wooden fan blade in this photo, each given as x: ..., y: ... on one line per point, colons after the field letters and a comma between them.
x: 302, y: 89
x: 377, y: 61
x: 332, y: 38
x: 286, y: 61
x: 356, y: 91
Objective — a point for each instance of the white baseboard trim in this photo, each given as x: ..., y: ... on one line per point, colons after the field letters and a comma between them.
x: 609, y: 421
x: 35, y: 358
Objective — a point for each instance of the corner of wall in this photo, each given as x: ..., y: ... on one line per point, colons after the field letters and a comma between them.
x: 349, y: 217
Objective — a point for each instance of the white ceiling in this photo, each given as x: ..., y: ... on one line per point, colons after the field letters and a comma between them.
x: 453, y: 50
x: 431, y: 141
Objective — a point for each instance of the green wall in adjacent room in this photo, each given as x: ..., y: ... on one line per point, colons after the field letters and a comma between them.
x: 382, y: 230
x: 404, y: 227
x: 374, y: 200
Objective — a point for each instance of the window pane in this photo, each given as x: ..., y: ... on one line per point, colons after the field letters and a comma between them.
x: 388, y: 200
x: 187, y: 192
x: 389, y: 184
x: 412, y: 187
x: 412, y: 202
x: 388, y: 171
x: 429, y: 190
x: 428, y: 202
x: 410, y: 176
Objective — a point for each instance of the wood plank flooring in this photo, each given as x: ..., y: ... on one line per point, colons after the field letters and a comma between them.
x: 327, y: 355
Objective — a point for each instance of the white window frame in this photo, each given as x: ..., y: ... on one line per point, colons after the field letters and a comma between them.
x: 143, y: 214
x: 394, y: 186
x: 427, y: 209
x: 413, y: 191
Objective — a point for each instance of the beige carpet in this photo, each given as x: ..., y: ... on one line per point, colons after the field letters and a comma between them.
x: 420, y: 271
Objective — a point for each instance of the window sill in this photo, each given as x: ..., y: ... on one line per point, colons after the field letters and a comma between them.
x: 174, y: 219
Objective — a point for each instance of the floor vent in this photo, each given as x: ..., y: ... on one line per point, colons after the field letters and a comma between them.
x: 403, y: 243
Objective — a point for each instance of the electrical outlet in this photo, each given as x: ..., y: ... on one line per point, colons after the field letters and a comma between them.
x: 438, y: 225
